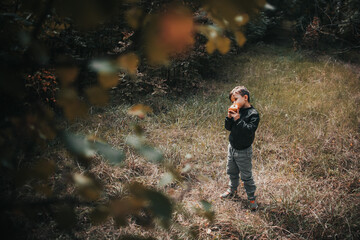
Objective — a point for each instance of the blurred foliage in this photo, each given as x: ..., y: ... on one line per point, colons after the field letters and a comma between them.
x: 58, y: 58
x: 206, y: 211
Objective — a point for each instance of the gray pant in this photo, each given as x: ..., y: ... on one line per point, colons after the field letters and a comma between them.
x: 239, y: 161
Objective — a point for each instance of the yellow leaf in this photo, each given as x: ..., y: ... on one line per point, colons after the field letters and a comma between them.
x: 44, y: 169
x: 240, y: 38
x: 46, y: 130
x: 208, y: 30
x: 210, y: 46
x: 132, y: 17
x: 67, y: 75
x: 99, y: 214
x: 121, y: 208
x: 66, y: 96
x: 82, y: 180
x: 139, y: 110
x: 77, y: 110
x: 61, y: 27
x: 108, y: 80
x: 57, y: 27
x: 223, y: 44
x: 43, y: 189
x: 90, y: 193
x: 72, y: 106
x: 261, y: 3
x: 87, y: 187
x: 157, y: 55
x: 97, y: 96
x: 241, y: 19
x: 129, y: 62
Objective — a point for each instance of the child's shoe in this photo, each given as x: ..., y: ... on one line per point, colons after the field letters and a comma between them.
x: 228, y: 194
x: 253, y: 205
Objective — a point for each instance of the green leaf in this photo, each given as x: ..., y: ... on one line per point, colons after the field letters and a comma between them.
x: 186, y: 169
x: 135, y: 141
x: 160, y: 205
x: 166, y: 179
x: 103, y: 66
x: 206, y: 205
x: 114, y: 156
x: 207, y: 212
x: 77, y: 145
x: 87, y: 186
x: 151, y: 154
x: 82, y: 147
x: 122, y: 208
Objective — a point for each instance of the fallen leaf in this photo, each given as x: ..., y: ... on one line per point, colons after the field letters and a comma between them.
x: 108, y: 80
x: 139, y: 110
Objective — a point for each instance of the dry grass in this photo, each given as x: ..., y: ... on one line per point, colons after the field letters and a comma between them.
x: 305, y: 160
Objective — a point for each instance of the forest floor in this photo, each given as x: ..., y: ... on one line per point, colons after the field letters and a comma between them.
x: 305, y: 155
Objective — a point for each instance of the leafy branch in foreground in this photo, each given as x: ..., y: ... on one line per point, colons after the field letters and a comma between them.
x: 31, y: 32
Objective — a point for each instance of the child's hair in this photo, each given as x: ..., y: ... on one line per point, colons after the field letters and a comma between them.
x: 240, y: 90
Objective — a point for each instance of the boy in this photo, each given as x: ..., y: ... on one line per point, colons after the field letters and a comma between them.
x: 242, y: 125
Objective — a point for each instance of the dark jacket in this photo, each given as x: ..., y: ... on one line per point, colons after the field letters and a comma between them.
x: 242, y: 131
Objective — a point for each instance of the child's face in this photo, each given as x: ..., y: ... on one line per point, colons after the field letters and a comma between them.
x: 241, y: 100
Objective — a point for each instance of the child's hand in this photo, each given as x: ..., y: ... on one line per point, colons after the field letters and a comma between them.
x: 233, y: 110
x: 235, y: 115
x: 230, y: 113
